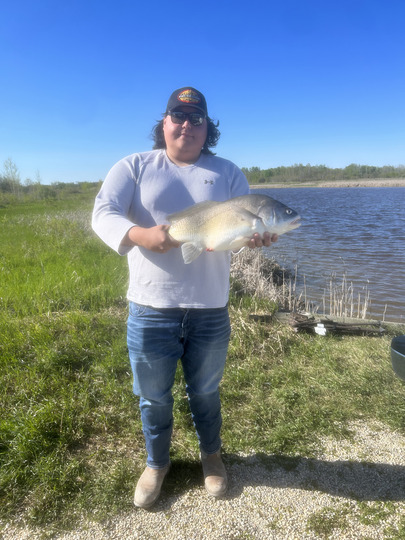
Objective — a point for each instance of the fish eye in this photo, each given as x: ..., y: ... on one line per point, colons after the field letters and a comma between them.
x: 288, y: 211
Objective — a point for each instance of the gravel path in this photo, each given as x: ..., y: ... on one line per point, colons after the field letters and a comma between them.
x: 355, y: 490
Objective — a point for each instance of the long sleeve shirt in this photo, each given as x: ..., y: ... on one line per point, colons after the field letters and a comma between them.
x: 143, y: 189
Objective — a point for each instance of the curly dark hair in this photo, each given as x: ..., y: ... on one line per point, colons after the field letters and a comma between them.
x: 213, y: 135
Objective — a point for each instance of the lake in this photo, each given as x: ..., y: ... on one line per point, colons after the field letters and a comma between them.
x: 351, y: 239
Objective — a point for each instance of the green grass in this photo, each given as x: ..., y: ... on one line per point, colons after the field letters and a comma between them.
x: 324, y: 522
x: 296, y: 387
x: 70, y: 436
x: 50, y: 261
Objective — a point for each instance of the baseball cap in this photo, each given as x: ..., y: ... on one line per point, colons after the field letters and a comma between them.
x: 187, y: 97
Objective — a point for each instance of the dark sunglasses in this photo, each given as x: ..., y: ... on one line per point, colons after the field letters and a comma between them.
x: 179, y: 117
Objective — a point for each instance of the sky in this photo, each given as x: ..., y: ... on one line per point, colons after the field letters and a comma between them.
x: 82, y: 83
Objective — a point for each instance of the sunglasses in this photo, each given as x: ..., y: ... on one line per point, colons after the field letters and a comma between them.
x: 179, y: 117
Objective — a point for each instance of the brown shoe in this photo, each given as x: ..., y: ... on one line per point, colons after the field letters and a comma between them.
x: 149, y: 485
x: 216, y: 481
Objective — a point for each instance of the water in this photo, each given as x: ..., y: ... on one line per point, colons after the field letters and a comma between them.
x: 352, y: 235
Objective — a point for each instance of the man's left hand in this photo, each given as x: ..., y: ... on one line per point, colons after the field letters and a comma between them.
x: 259, y: 241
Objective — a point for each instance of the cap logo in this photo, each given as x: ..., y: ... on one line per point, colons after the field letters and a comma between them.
x: 189, y: 96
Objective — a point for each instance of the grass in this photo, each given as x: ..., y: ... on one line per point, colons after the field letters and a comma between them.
x: 71, y: 444
x: 327, y: 520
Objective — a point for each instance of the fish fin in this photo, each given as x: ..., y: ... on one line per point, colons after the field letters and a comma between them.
x: 191, y: 210
x: 190, y: 252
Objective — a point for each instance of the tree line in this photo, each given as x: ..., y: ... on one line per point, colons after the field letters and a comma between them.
x: 304, y: 173
x: 12, y: 189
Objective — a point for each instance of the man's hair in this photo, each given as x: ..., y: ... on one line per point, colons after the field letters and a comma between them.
x: 213, y: 135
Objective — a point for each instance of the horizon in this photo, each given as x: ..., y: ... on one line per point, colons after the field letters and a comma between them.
x: 251, y: 170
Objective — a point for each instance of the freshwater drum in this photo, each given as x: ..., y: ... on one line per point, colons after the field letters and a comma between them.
x: 228, y: 225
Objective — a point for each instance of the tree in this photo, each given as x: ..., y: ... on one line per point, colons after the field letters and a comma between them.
x: 10, y: 181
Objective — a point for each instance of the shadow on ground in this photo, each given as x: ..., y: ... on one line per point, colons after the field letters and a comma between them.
x: 358, y: 480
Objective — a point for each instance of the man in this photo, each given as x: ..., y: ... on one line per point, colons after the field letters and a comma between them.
x: 176, y: 311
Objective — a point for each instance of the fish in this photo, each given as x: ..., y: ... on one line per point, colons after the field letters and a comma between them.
x: 229, y: 225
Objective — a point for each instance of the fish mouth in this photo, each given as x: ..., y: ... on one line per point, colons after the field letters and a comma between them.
x: 295, y: 223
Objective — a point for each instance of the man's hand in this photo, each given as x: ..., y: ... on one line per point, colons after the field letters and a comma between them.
x: 259, y: 241
x: 155, y: 238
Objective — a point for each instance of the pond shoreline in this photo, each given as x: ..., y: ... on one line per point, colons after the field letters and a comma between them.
x: 364, y: 182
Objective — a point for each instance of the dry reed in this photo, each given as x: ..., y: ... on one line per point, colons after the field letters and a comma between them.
x: 253, y: 274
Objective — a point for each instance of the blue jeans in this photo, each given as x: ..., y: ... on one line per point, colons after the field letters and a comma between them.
x: 157, y: 339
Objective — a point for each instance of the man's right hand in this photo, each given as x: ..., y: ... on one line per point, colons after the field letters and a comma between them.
x: 155, y: 238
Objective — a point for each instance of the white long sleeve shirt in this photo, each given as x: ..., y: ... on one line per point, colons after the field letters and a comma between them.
x: 143, y: 189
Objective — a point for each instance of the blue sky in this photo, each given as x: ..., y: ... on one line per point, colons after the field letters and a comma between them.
x: 83, y: 82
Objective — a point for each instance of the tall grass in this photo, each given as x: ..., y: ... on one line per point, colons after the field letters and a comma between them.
x: 255, y: 274
x: 51, y: 262
x: 70, y: 435
x: 340, y: 299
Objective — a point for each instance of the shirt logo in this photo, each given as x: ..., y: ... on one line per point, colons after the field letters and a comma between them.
x: 209, y: 182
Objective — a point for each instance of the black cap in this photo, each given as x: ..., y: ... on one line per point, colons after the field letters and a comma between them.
x: 187, y: 97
